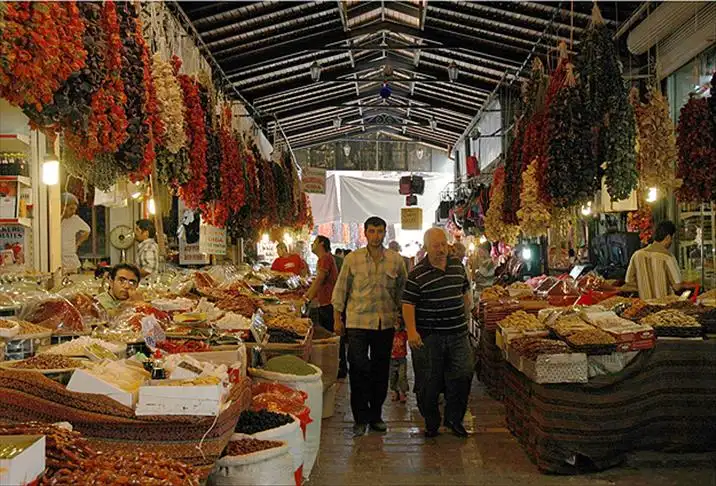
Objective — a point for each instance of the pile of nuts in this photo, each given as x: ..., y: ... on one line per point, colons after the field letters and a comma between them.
x: 493, y: 293
x: 288, y: 322
x: 47, y: 362
x: 591, y: 337
x: 568, y: 325
x: 5, y: 324
x: 242, y: 447
x: 521, y: 320
x: 28, y: 328
x: 670, y: 318
x: 531, y: 347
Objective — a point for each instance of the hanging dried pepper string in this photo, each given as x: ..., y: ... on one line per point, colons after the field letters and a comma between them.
x: 107, y: 123
x: 192, y: 193
x: 41, y: 45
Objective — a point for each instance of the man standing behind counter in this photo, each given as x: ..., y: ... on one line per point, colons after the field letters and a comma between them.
x: 654, y: 270
x: 369, y: 289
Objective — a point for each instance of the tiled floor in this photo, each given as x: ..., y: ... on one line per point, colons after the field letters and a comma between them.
x: 491, y: 456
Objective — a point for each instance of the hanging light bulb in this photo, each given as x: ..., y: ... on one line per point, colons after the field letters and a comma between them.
x: 526, y: 253
x: 483, y: 239
x: 315, y: 71
x: 420, y: 152
x: 51, y: 171
x: 453, y: 71
x: 152, y: 207
x: 347, y: 150
x: 652, y: 195
x: 587, y: 209
x: 136, y: 195
x: 288, y: 239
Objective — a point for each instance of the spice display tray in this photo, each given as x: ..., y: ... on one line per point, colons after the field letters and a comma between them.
x: 679, y: 332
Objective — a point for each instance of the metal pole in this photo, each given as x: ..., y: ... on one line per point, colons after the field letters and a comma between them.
x: 703, y: 234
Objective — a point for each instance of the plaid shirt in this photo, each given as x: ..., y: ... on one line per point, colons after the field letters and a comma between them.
x: 370, y: 292
x: 148, y: 256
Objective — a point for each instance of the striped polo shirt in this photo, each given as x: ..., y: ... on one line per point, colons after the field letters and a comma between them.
x: 438, y: 297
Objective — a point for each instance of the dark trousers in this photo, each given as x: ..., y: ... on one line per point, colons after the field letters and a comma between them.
x: 369, y: 360
x: 443, y: 363
x: 325, y: 320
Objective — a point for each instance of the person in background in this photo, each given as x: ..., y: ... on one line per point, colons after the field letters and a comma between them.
x: 74, y: 232
x: 338, y: 257
x: 436, y: 302
x: 289, y: 262
x: 395, y: 246
x: 123, y: 282
x: 147, y: 248
x: 369, y: 289
x: 654, y: 270
x: 399, y: 365
x: 322, y: 286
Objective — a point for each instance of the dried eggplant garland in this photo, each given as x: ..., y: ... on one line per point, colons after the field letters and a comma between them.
x: 607, y: 107
x: 571, y: 170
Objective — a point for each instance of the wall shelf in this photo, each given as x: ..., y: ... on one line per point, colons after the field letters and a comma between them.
x: 14, y: 142
x: 27, y: 222
x: 26, y: 181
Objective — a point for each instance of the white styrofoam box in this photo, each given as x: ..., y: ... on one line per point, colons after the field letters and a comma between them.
x: 177, y: 406
x: 180, y: 400
x: 28, y: 465
x: 83, y: 382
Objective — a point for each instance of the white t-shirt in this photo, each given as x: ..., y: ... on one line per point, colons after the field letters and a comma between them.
x: 70, y: 228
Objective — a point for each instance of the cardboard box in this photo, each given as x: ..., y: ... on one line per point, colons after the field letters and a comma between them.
x: 636, y: 345
x: 84, y: 382
x: 27, y: 463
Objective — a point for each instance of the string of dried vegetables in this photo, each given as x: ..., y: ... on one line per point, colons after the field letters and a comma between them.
x: 534, y: 214
x: 131, y: 152
x: 70, y: 105
x: 170, y: 105
x: 41, y: 45
x: 107, y: 123
x: 571, y: 171
x: 641, y: 222
x: 657, y: 153
x: 233, y: 179
x: 697, y: 152
x: 192, y: 192
x: 495, y: 227
x: 608, y: 110
x: 518, y: 156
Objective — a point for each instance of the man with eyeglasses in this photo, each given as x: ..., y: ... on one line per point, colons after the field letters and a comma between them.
x: 123, y: 282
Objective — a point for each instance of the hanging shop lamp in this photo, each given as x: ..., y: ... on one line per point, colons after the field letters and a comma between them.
x: 347, y: 150
x: 315, y: 71
x: 452, y: 71
x: 51, y: 170
x: 432, y: 123
x: 419, y: 153
x: 337, y: 123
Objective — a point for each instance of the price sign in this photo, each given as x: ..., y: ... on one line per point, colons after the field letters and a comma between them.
x: 314, y: 180
x: 411, y: 218
x: 212, y: 240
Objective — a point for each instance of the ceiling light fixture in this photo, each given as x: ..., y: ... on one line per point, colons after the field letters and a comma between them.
x: 337, y: 123
x: 347, y: 150
x: 419, y: 153
x: 315, y: 71
x: 432, y: 123
x: 51, y: 170
x: 453, y: 71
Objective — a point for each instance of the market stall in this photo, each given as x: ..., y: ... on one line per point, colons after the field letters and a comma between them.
x: 585, y: 385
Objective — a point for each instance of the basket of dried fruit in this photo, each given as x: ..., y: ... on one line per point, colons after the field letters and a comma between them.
x: 591, y: 341
x: 113, y: 428
x: 674, y: 323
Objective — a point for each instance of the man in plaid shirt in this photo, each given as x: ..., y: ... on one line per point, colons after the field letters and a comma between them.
x: 369, y: 290
x: 147, y: 248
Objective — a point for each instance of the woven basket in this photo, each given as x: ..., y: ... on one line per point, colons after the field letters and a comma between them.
x: 110, y: 426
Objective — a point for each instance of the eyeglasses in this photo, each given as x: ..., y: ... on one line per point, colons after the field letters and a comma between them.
x: 127, y: 282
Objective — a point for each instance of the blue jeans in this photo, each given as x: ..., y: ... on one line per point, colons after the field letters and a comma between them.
x: 444, y: 362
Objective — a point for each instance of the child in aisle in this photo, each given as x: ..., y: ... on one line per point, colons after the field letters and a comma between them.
x: 399, y: 364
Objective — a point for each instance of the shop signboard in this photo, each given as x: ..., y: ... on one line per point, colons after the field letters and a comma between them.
x: 411, y: 218
x: 314, y: 180
x: 212, y: 240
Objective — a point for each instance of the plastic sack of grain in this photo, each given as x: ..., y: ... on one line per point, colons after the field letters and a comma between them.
x: 270, y: 467
x: 313, y: 386
x: 293, y: 436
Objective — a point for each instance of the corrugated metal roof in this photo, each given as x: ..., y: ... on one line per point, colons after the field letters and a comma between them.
x: 267, y: 50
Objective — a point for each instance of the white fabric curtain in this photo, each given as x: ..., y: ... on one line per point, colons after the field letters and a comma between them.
x: 362, y: 197
x: 325, y: 206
